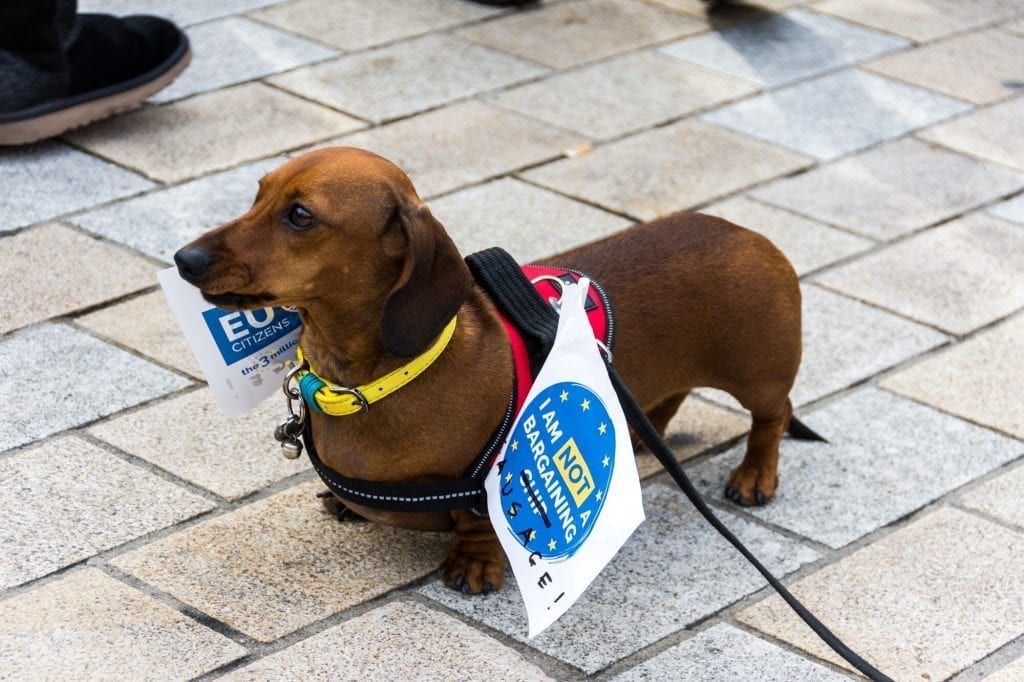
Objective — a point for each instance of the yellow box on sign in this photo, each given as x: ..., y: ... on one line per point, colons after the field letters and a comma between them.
x: 574, y: 471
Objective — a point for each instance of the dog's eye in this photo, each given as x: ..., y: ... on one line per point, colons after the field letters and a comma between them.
x: 300, y: 218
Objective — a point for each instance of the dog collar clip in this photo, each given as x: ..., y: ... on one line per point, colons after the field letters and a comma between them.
x: 339, y: 401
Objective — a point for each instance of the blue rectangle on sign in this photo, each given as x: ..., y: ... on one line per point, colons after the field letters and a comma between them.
x: 240, y: 333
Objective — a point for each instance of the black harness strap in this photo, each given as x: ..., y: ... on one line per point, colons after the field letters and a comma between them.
x: 539, y: 321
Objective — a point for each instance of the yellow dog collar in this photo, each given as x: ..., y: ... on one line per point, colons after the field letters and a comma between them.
x: 338, y: 401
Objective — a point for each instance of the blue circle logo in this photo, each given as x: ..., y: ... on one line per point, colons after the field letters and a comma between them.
x: 557, y: 469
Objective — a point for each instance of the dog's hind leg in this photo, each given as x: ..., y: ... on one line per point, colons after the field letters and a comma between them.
x: 754, y: 481
x: 663, y: 412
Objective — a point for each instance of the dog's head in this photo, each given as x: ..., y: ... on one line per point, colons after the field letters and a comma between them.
x: 338, y: 227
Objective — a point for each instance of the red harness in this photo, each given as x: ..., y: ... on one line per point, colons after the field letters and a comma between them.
x: 546, y: 280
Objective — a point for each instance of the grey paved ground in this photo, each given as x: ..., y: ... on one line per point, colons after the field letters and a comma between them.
x: 880, y: 143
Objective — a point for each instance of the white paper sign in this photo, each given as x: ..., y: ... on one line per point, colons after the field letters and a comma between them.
x: 243, y: 354
x: 564, y: 495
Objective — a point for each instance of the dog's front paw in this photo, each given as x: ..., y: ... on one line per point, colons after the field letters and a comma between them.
x: 474, y: 571
x: 749, y: 486
x: 336, y: 508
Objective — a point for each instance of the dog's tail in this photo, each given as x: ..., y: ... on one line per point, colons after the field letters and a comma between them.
x: 797, y: 429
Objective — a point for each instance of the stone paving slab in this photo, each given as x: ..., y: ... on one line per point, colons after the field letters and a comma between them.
x: 468, y: 142
x: 836, y: 114
x: 182, y: 12
x: 628, y: 606
x: 574, y: 32
x: 1013, y: 209
x: 893, y: 189
x: 527, y: 221
x: 67, y: 500
x: 921, y: 20
x: 145, y: 324
x: 700, y: 7
x: 981, y: 380
x: 960, y: 276
x: 881, y: 600
x: 886, y: 457
x: 56, y: 361
x: 667, y: 169
x: 69, y: 179
x: 190, y: 437
x: 725, y: 654
x: 236, y: 49
x: 357, y: 24
x: 281, y: 563
x: 846, y: 342
x: 975, y: 67
x: 397, y: 641
x: 177, y: 215
x: 782, y: 48
x: 1014, y: 672
x: 695, y: 428
x: 185, y: 139
x: 458, y: 68
x: 31, y: 292
x: 1015, y: 26
x: 623, y: 94
x: 809, y: 245
x: 995, y: 133
x: 88, y: 626
x: 1000, y: 497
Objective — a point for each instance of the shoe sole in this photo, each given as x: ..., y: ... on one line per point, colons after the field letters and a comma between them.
x: 60, y: 121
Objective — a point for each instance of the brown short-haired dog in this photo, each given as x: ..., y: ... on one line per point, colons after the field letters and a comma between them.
x: 341, y: 234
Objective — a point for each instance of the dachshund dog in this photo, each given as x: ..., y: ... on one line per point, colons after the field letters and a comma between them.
x: 341, y: 235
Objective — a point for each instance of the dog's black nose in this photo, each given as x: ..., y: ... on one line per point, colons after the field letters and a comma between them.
x: 192, y: 264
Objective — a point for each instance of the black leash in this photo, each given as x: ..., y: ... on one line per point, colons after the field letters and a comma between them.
x: 647, y: 433
x: 499, y: 274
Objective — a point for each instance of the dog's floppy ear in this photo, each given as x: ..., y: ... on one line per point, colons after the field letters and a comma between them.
x: 433, y: 284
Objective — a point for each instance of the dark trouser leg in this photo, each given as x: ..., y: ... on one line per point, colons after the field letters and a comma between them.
x: 33, y: 37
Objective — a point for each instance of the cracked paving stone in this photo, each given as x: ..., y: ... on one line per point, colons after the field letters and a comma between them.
x: 920, y: 604
x: 627, y: 607
x: 66, y: 500
x: 886, y: 457
x: 90, y: 626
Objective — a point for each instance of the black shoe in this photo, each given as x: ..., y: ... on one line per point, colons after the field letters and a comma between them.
x: 114, y: 64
